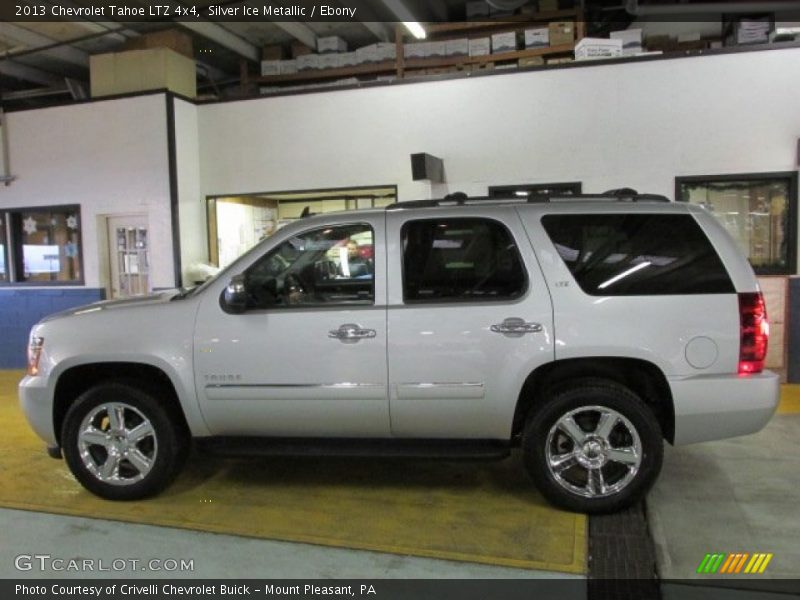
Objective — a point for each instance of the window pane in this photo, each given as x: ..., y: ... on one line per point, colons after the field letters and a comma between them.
x: 629, y: 255
x: 332, y: 265
x: 3, y: 268
x: 755, y: 212
x: 50, y: 245
x: 460, y: 259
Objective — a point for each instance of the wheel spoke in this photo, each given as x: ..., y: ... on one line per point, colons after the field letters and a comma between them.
x: 140, y: 461
x: 626, y: 456
x: 606, y: 424
x: 572, y: 429
x: 116, y: 417
x: 562, y: 462
x: 595, y: 484
x: 140, y: 432
x: 94, y: 437
x: 110, y: 468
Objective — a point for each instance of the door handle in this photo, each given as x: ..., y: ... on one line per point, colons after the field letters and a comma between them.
x: 516, y: 326
x: 350, y: 333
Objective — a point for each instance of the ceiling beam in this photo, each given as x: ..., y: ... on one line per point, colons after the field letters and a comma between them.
x: 379, y: 30
x: 32, y: 74
x: 34, y: 40
x: 298, y: 31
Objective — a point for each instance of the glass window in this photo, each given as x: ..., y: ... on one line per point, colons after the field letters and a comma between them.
x: 330, y: 265
x: 446, y: 260
x: 638, y: 254
x: 3, y: 268
x: 756, y: 212
x: 48, y: 243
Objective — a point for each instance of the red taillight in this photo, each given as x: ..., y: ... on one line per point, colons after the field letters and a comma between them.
x: 753, y: 333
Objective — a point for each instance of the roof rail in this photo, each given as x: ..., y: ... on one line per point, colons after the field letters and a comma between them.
x: 461, y: 199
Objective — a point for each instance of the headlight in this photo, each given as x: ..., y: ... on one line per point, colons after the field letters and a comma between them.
x: 34, y: 354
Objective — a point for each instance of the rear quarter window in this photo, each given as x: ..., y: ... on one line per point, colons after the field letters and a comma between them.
x: 637, y: 254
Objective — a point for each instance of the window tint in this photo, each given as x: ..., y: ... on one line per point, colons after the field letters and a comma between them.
x: 628, y: 255
x: 459, y: 260
x: 330, y: 265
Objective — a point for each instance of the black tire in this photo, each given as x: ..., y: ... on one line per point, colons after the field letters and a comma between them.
x: 583, y: 394
x: 168, y: 444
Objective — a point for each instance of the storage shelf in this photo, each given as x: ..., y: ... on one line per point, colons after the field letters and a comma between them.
x: 341, y: 72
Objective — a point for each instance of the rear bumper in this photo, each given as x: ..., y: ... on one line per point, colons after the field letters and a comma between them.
x: 723, y: 406
x: 37, y: 404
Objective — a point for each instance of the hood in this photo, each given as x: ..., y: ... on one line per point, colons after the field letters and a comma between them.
x: 159, y: 298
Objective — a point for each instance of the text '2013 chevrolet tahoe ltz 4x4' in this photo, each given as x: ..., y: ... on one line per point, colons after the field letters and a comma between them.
x: 583, y: 330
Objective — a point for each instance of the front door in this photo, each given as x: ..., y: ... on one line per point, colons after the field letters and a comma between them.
x: 128, y: 256
x: 307, y: 357
x: 469, y: 319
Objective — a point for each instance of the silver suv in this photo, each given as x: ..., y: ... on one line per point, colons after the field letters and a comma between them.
x: 582, y: 330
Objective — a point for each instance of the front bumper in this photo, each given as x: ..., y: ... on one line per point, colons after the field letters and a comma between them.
x: 715, y: 407
x: 36, y: 401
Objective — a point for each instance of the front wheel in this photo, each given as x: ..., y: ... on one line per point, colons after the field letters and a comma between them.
x: 594, y: 447
x: 121, y: 443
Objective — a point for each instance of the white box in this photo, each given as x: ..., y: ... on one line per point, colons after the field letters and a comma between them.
x: 331, y: 43
x: 477, y: 9
x: 288, y: 67
x: 437, y: 49
x: 387, y: 51
x: 348, y: 59
x: 417, y: 50
x: 307, y: 62
x: 459, y: 47
x: 504, y: 42
x: 631, y: 40
x: 330, y: 61
x: 480, y: 47
x: 594, y: 48
x: 270, y: 67
x: 537, y: 38
x: 367, y: 54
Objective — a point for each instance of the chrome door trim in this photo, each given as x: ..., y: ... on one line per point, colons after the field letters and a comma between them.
x: 343, y: 385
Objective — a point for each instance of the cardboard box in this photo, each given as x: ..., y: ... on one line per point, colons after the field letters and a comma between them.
x: 332, y: 60
x: 596, y: 48
x: 562, y: 60
x: 459, y: 47
x: 663, y: 43
x: 288, y: 67
x: 142, y: 70
x: 477, y: 9
x: 270, y: 67
x: 367, y: 54
x: 173, y: 39
x: 272, y: 52
x: 415, y: 50
x: 349, y: 59
x: 531, y: 61
x: 480, y: 46
x: 300, y: 49
x: 561, y: 32
x: 437, y: 49
x: 308, y: 62
x: 504, y: 42
x: 331, y: 43
x: 537, y: 38
x: 631, y: 40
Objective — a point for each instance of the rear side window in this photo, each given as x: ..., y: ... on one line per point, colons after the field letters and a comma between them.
x: 638, y: 254
x: 452, y: 260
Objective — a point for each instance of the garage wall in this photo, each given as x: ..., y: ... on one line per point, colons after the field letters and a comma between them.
x: 636, y: 125
x: 109, y: 157
x: 191, y: 204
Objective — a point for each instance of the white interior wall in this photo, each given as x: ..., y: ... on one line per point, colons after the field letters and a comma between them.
x: 191, y: 205
x: 110, y: 157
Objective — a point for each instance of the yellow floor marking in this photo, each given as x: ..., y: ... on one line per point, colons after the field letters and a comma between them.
x: 485, y: 512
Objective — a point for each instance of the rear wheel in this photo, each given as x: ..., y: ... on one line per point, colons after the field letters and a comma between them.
x: 594, y: 447
x: 121, y: 443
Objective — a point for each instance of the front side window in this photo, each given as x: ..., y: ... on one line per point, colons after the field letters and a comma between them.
x: 48, y: 245
x: 757, y: 211
x: 470, y: 259
x: 323, y: 267
x: 637, y: 254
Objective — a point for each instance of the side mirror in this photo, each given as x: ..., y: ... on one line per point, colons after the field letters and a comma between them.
x: 234, y: 298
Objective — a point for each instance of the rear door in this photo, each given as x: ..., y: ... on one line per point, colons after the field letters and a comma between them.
x: 469, y: 318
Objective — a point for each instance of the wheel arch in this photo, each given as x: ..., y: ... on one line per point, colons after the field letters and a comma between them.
x: 642, y: 377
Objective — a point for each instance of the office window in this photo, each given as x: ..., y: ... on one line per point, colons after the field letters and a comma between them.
x: 44, y: 245
x: 757, y: 210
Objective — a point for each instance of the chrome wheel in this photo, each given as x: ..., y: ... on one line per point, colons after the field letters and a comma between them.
x: 593, y: 451
x: 117, y: 443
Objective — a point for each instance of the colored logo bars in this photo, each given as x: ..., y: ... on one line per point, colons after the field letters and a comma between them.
x: 735, y: 563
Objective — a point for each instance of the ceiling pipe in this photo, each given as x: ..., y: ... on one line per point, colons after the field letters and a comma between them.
x: 651, y: 10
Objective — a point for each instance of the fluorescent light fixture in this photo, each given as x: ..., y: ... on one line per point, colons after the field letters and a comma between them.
x: 630, y: 271
x: 417, y: 30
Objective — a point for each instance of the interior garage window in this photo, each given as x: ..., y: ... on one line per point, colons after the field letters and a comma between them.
x: 45, y: 245
x: 757, y: 210
x: 452, y: 260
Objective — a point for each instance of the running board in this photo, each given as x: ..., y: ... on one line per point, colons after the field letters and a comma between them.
x: 356, y: 447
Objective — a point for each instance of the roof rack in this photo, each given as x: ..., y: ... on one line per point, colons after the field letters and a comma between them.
x: 461, y: 199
